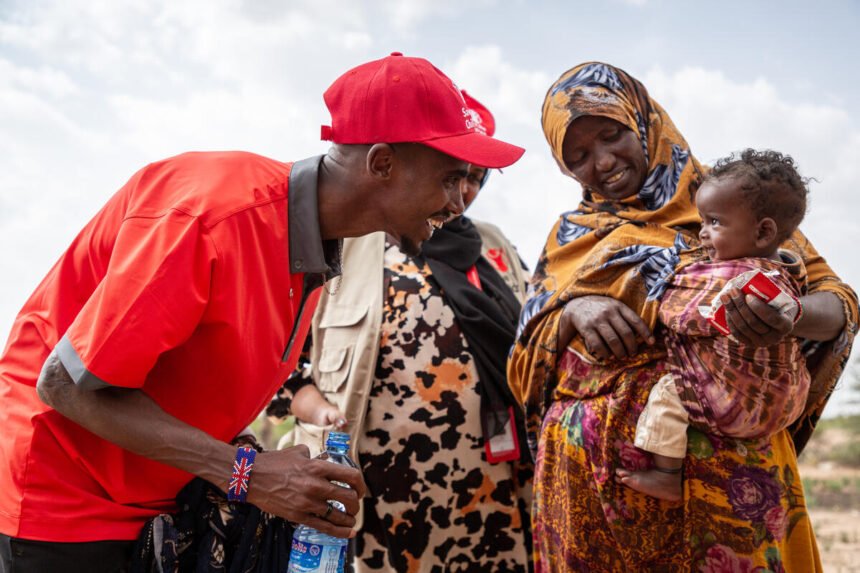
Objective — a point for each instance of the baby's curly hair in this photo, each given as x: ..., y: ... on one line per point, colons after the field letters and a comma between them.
x: 771, y: 185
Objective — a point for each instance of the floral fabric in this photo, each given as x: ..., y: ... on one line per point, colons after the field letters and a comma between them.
x: 743, y: 507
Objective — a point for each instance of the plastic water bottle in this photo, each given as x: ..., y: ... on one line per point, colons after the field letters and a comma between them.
x: 312, y: 551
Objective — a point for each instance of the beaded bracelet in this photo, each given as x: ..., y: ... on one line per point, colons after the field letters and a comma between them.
x: 242, y: 466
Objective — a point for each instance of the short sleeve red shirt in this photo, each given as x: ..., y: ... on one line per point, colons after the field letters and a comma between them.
x: 180, y: 286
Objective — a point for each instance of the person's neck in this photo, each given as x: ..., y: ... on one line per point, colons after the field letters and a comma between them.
x: 347, y: 203
x: 774, y: 254
x: 767, y: 254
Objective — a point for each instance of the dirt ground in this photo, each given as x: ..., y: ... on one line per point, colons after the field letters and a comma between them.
x: 838, y: 534
x: 831, y: 482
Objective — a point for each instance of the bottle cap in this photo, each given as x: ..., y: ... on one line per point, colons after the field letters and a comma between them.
x: 340, y: 438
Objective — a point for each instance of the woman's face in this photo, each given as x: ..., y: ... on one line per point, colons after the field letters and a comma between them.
x: 471, y: 184
x: 606, y: 156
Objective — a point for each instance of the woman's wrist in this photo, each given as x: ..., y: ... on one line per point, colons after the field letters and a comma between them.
x: 823, y: 317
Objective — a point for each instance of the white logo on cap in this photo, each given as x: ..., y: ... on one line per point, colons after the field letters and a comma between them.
x: 474, y: 121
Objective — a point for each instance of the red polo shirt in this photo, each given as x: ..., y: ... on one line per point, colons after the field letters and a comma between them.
x: 180, y: 286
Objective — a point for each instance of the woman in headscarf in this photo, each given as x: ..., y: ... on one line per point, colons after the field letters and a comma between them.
x: 586, y: 357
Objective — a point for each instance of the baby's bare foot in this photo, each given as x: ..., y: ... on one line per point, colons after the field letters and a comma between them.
x: 652, y: 482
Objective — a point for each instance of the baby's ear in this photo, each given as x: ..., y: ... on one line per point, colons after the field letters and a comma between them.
x: 767, y: 232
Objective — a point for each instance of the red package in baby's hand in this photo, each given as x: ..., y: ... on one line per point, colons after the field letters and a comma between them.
x: 759, y: 284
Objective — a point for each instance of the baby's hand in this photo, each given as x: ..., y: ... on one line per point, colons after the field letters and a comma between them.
x: 330, y: 415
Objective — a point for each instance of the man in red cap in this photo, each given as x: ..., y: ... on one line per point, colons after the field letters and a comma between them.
x: 183, y: 304
x: 410, y: 358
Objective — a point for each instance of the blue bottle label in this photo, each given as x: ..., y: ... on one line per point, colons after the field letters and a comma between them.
x: 311, y: 557
x: 342, y: 560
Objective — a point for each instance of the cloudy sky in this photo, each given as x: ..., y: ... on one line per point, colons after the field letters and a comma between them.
x: 91, y: 91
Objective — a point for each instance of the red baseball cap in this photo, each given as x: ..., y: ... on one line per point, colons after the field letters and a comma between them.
x: 408, y: 100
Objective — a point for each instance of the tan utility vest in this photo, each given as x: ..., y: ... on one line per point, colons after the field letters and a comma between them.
x: 346, y: 327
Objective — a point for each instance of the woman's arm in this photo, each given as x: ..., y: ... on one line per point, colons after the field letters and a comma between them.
x: 823, y: 317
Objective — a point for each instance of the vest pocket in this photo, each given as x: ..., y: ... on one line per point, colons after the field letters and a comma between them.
x: 334, y: 368
x: 341, y: 316
x: 339, y: 331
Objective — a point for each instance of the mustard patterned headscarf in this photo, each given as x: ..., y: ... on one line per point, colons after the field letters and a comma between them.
x: 624, y: 249
x: 599, y: 89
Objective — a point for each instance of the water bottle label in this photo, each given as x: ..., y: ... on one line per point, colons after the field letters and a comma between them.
x: 342, y: 562
x: 311, y: 557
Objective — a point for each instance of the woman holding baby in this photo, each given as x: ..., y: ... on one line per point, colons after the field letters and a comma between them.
x: 593, y: 344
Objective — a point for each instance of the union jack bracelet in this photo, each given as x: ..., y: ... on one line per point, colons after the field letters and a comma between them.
x: 242, y: 466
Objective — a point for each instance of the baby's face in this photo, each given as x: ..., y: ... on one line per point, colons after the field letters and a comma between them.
x: 729, y: 227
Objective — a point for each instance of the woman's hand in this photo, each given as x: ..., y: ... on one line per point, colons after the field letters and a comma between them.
x: 752, y: 321
x: 607, y: 326
x: 330, y: 415
x: 309, y: 405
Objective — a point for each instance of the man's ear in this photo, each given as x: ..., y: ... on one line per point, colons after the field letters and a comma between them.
x: 766, y: 232
x: 380, y: 160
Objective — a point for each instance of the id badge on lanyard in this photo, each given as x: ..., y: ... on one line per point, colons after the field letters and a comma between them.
x: 504, y: 446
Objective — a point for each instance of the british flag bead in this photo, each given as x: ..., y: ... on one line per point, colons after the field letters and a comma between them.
x: 238, y: 488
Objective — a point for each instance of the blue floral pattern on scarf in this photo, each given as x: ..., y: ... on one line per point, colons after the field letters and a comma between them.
x: 533, y: 305
x: 662, y: 183
x: 592, y: 75
x: 569, y: 231
x: 655, y: 264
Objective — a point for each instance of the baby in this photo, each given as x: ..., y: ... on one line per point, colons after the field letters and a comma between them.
x: 749, y: 206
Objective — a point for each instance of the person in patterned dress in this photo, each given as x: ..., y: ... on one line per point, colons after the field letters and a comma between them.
x: 418, y: 377
x: 596, y: 293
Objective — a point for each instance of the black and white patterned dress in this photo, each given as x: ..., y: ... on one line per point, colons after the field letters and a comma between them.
x: 434, y: 504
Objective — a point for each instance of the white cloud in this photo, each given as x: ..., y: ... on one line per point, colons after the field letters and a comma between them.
x: 512, y: 93
x: 44, y: 80
x: 405, y: 16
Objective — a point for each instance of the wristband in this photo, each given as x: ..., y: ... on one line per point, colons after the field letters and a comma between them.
x: 242, y: 466
x: 799, y: 311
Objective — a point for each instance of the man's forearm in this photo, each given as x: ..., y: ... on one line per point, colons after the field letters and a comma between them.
x: 132, y: 420
x: 285, y: 483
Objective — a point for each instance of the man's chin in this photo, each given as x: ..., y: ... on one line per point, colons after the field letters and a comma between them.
x: 410, y: 247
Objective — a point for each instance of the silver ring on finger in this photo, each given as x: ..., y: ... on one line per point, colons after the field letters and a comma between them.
x: 328, y: 510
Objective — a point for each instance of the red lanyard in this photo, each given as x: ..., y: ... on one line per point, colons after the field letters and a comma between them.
x: 472, y: 277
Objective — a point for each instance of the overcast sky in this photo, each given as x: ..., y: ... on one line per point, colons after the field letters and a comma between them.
x: 90, y: 91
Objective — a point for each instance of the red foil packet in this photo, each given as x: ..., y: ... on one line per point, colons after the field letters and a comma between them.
x: 759, y: 284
